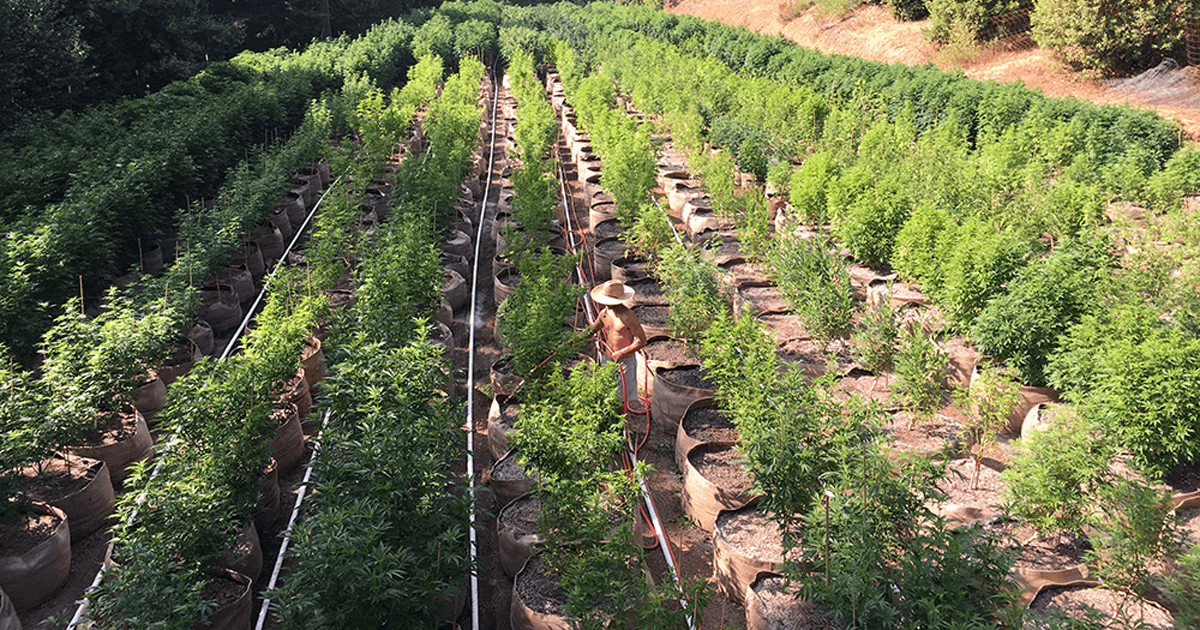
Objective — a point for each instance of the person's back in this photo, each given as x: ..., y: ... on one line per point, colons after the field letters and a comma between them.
x: 623, y: 335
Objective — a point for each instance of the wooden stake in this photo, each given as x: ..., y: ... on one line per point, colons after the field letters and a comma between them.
x: 141, y: 261
x: 81, y: 295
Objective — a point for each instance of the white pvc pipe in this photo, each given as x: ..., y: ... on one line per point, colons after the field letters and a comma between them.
x: 81, y: 610
x: 470, y: 424
x: 659, y: 532
x: 287, y: 533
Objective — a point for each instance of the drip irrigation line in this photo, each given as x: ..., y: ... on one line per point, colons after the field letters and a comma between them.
x: 470, y: 422
x: 287, y: 533
x: 656, y: 522
x: 84, y: 603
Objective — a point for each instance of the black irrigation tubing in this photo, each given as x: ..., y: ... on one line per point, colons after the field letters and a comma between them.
x: 84, y: 603
x: 471, y: 324
x: 659, y: 532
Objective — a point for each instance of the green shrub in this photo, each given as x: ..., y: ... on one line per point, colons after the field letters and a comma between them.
x: 755, y: 228
x: 1076, y: 367
x: 947, y: 15
x: 435, y: 37
x: 1180, y: 177
x: 1129, y: 371
x: 816, y: 284
x: 385, y: 495
x: 879, y: 558
x: 739, y: 356
x: 986, y: 404
x: 1022, y: 326
x: 475, y: 38
x: 981, y: 261
x: 693, y: 289
x: 920, y: 368
x: 1183, y: 588
x: 22, y: 409
x: 874, y: 346
x: 1056, y: 472
x: 1066, y: 209
x: 1106, y: 36
x: 908, y: 10
x: 1143, y: 396
x: 870, y: 225
x: 1136, y: 530
x: 923, y: 247
x: 809, y: 187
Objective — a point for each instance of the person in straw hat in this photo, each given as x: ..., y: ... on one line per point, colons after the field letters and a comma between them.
x: 623, y: 335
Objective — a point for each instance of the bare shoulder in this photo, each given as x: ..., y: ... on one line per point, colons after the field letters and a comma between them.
x: 630, y: 319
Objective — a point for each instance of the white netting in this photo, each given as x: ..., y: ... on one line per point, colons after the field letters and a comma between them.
x: 1166, y: 84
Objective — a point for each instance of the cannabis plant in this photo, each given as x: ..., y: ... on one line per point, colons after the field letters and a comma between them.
x: 815, y: 282
x: 920, y: 368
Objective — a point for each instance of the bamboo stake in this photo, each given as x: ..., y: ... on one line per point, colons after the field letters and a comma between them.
x: 81, y: 295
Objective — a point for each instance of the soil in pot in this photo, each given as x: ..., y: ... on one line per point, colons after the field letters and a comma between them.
x: 1053, y: 553
x: 502, y: 420
x: 604, y: 252
x: 521, y: 515
x: 647, y: 292
x: 783, y: 326
x: 80, y: 487
x: 1076, y: 600
x: 1038, y: 553
x: 745, y: 543
x: 312, y: 358
x: 726, y: 251
x: 692, y: 376
x: 229, y: 594
x: 287, y: 445
x: 771, y: 606
x: 516, y: 532
x: 723, y: 467
x: 714, y: 479
x: 503, y: 382
x: 35, y: 556
x: 183, y: 357
x: 120, y: 440
x: 508, y: 480
x: 629, y: 269
x: 969, y: 497
x: 540, y: 589
x: 296, y: 393
x: 267, y: 512
x: 745, y: 272
x: 654, y: 318
x: 709, y: 424
x: 1183, y: 478
x: 503, y: 286
x: 151, y: 397
x: 606, y: 230
x: 670, y: 352
x: 246, y: 556
x: 673, y: 391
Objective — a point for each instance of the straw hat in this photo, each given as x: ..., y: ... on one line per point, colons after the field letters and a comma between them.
x: 612, y: 292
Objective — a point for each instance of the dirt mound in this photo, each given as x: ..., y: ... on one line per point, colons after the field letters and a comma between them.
x: 870, y: 32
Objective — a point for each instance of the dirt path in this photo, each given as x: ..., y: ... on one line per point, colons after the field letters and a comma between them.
x: 870, y: 32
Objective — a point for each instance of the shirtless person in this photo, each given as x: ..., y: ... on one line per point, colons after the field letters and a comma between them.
x: 623, y: 335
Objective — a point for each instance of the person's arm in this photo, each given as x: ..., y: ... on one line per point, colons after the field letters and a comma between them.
x: 596, y: 325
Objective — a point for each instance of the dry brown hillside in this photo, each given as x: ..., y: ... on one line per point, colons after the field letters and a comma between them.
x: 872, y: 33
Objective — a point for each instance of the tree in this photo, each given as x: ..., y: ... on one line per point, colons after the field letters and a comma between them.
x: 1103, y: 36
x: 138, y: 46
x: 43, y: 66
